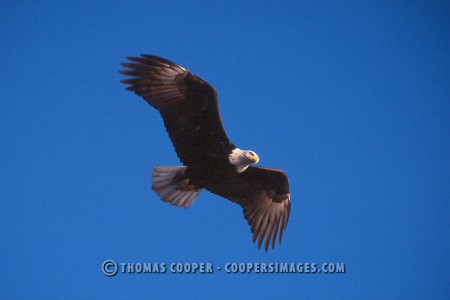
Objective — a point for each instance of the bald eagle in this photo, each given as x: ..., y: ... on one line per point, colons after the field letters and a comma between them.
x: 189, y: 108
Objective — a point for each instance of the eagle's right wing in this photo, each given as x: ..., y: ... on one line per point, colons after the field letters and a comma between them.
x: 187, y: 104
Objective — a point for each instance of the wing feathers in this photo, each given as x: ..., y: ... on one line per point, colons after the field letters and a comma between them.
x: 264, y: 196
x: 267, y: 219
x: 187, y: 104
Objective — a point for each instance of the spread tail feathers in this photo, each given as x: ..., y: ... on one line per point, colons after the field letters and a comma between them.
x: 173, y: 187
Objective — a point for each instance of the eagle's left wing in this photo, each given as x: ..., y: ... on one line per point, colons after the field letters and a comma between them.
x: 264, y: 195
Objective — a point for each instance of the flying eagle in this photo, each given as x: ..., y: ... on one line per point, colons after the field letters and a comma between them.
x: 189, y: 107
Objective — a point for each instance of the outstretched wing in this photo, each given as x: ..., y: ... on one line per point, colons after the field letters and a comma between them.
x: 264, y: 195
x: 187, y: 104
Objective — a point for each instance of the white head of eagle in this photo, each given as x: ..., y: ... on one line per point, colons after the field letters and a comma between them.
x: 242, y: 159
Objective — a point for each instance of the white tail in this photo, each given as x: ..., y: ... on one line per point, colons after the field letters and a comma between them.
x: 172, y: 187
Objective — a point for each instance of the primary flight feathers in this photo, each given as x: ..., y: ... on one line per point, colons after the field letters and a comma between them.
x: 189, y: 108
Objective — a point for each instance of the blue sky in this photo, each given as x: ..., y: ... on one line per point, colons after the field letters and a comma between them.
x: 351, y: 99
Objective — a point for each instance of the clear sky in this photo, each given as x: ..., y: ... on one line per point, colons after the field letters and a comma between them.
x: 350, y: 98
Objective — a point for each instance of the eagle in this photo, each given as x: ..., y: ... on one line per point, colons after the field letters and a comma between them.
x: 189, y: 108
